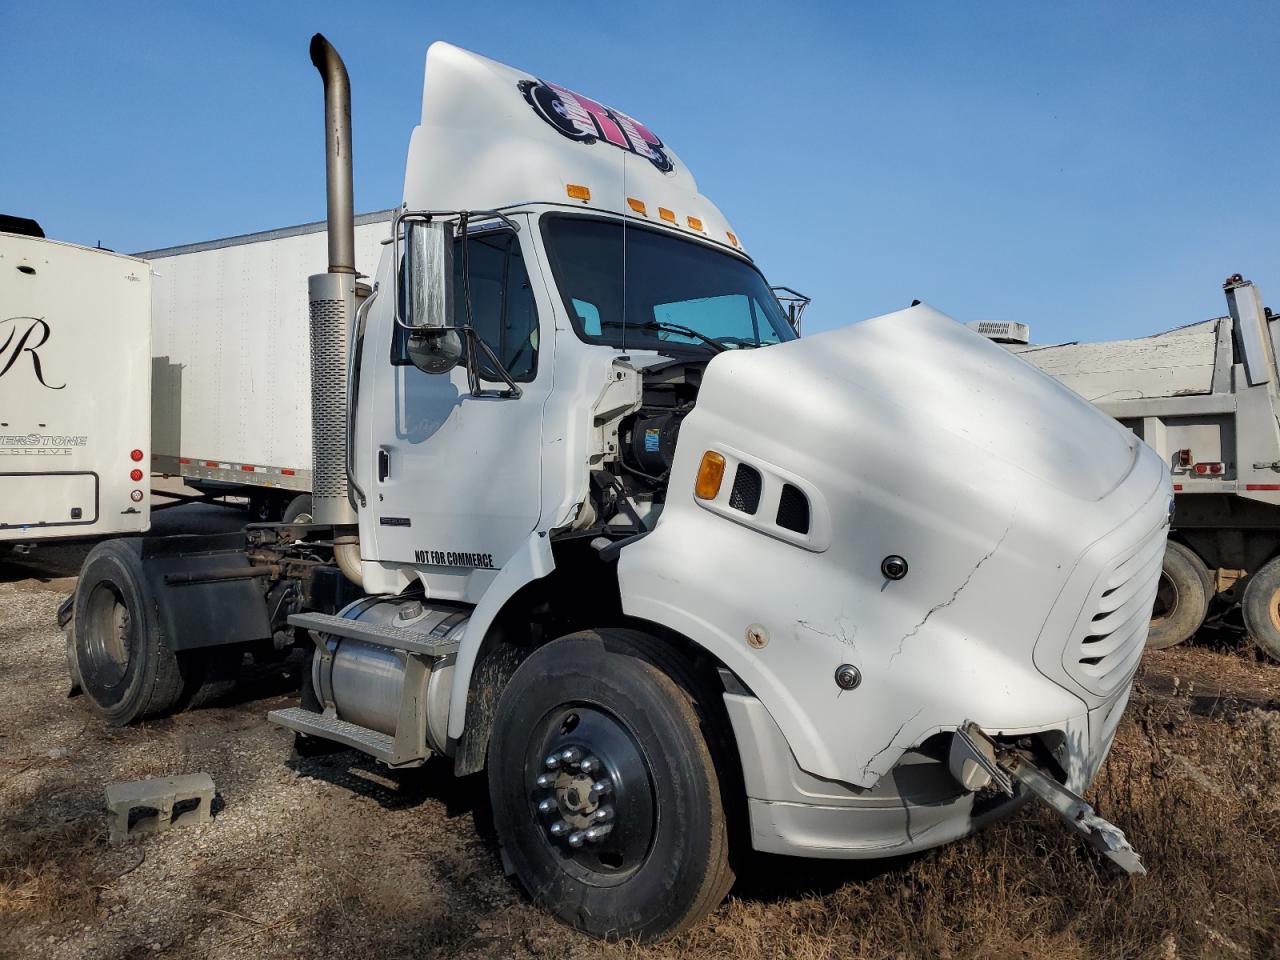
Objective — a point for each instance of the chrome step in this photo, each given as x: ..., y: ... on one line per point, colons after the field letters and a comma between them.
x: 377, y: 745
x: 435, y: 644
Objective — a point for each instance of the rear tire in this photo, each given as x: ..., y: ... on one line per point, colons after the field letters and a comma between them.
x: 299, y: 510
x: 126, y: 671
x: 1261, y: 608
x: 664, y: 863
x: 1182, y: 599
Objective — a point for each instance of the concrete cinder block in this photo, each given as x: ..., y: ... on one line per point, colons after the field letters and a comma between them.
x: 169, y: 801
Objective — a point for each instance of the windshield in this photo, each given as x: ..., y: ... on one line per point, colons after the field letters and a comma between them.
x: 676, y: 293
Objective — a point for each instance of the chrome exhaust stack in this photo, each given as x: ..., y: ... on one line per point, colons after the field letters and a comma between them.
x: 332, y: 301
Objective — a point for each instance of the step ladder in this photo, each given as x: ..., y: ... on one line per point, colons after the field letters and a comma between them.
x: 419, y: 650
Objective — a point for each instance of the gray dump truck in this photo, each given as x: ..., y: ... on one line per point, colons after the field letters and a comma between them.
x: 1205, y: 396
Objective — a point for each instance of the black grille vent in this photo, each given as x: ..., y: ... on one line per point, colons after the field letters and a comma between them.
x: 793, y: 509
x: 745, y: 495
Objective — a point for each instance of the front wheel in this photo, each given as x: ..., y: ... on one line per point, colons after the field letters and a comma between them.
x: 606, y: 799
x: 1261, y: 608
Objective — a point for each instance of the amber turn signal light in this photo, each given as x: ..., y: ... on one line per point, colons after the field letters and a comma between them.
x: 710, y: 475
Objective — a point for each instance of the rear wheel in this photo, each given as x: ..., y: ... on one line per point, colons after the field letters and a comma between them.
x: 299, y: 510
x: 605, y: 797
x: 1182, y: 598
x: 1261, y: 608
x: 126, y: 671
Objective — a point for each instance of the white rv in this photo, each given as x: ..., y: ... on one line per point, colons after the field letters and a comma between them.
x: 75, y: 390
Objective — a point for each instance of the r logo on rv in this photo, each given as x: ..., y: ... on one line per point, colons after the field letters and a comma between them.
x: 581, y: 118
x: 34, y: 335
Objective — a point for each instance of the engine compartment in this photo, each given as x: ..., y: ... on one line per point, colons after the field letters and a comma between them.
x: 629, y: 483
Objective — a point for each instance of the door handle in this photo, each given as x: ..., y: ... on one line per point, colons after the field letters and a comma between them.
x: 384, y: 463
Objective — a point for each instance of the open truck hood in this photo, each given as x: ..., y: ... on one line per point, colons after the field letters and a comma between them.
x: 1014, y: 503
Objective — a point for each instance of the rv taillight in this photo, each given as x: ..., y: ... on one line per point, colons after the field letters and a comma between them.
x: 135, y: 475
x: 1208, y: 468
x: 135, y: 456
x: 136, y: 496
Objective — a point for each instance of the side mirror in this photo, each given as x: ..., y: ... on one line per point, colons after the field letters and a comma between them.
x: 424, y: 302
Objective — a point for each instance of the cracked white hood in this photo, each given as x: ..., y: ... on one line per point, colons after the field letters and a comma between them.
x: 911, y: 436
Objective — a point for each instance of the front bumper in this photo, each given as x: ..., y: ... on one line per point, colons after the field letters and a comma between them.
x: 915, y: 806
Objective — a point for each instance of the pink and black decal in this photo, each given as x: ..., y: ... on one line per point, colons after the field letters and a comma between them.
x: 581, y: 118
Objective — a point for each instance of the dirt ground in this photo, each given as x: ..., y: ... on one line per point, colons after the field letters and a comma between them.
x: 335, y: 857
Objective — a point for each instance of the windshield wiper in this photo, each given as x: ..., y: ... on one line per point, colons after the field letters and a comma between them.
x: 711, y: 342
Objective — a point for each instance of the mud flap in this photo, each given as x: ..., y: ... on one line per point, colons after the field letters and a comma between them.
x: 973, y: 753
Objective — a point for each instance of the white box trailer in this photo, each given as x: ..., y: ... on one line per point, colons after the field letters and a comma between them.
x: 230, y: 358
x: 75, y: 389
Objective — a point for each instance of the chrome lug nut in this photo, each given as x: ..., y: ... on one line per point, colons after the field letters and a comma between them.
x: 602, y: 814
x: 589, y: 764
x: 547, y: 806
x: 545, y: 781
x: 570, y: 755
x: 552, y: 761
x: 601, y: 787
x: 577, y: 838
x: 558, y: 829
x: 598, y: 832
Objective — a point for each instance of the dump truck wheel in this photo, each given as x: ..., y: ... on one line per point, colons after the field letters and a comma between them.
x: 125, y: 670
x: 1182, y: 599
x: 1261, y: 608
x: 606, y: 799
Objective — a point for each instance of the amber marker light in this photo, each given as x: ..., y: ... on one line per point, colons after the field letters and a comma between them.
x: 710, y: 475
x: 667, y: 215
x: 578, y: 192
x: 637, y: 206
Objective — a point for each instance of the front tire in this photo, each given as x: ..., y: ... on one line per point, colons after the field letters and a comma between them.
x: 126, y: 671
x: 1261, y: 608
x: 592, y: 735
x: 1182, y: 599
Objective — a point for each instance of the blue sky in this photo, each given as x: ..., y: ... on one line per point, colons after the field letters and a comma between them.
x: 1095, y: 170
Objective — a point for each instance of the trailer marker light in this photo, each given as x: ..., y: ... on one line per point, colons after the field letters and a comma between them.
x: 667, y: 215
x: 1177, y: 487
x: 246, y: 467
x: 1208, y: 468
x: 211, y: 463
x: 184, y: 459
x: 637, y: 206
x: 286, y: 471
x: 135, y: 475
x: 1262, y: 486
x: 136, y: 496
x: 694, y: 223
x: 135, y: 456
x: 710, y: 475
x: 578, y: 192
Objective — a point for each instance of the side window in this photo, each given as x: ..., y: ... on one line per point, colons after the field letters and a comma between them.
x: 502, y: 305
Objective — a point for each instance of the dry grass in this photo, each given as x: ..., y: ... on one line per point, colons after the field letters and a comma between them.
x: 49, y: 872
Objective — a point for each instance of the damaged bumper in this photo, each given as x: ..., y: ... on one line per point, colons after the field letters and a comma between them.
x: 917, y: 805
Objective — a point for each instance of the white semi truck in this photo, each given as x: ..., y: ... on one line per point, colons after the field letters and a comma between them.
x: 1206, y: 398
x: 75, y: 378
x: 589, y: 516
